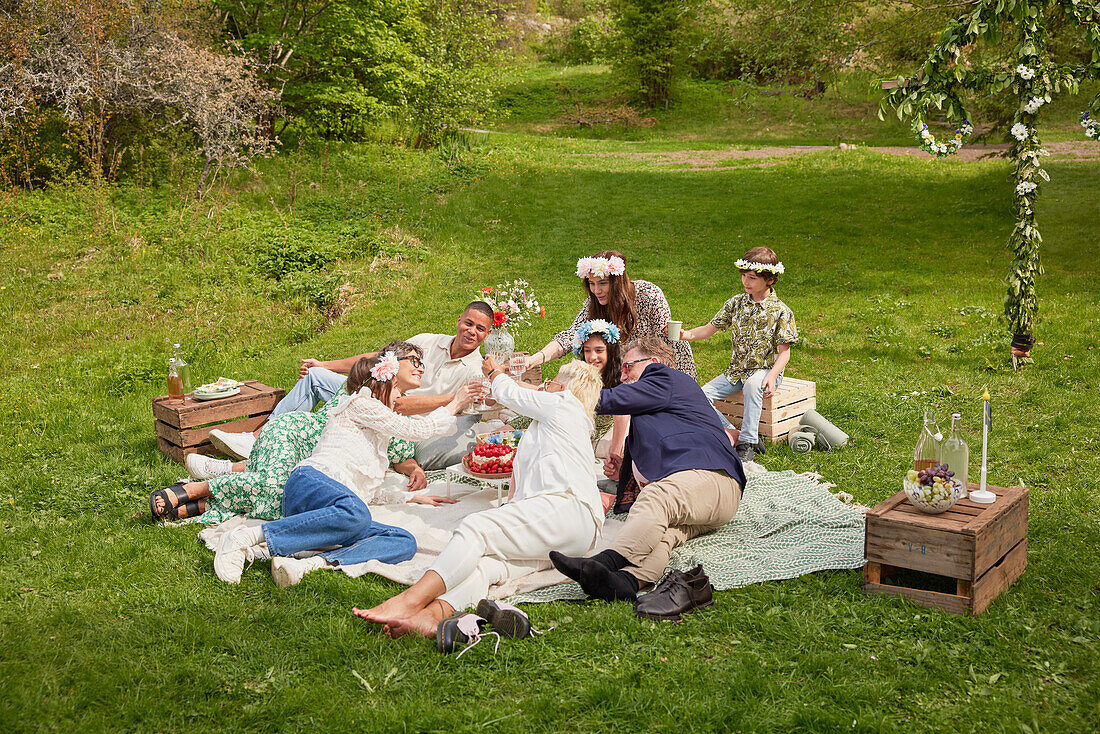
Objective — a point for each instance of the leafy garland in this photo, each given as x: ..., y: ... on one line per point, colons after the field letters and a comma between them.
x: 943, y: 79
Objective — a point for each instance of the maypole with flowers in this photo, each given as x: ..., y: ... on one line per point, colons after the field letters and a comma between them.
x: 1033, y: 77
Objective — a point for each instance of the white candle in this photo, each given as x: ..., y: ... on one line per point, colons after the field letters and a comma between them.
x: 984, y: 496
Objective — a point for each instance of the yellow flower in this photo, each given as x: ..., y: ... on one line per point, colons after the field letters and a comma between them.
x: 958, y: 136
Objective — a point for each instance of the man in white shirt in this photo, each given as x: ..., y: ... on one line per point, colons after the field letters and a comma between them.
x: 450, y: 361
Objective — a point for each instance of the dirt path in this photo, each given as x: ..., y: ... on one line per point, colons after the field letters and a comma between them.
x: 687, y: 160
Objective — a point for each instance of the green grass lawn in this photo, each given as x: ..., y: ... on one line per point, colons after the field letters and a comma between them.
x: 894, y: 271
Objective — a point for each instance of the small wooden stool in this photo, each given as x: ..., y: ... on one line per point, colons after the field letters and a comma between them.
x: 782, y: 411
x: 183, y: 426
x: 979, y: 550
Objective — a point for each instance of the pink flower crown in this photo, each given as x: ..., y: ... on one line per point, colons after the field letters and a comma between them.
x: 386, y: 369
x: 600, y: 267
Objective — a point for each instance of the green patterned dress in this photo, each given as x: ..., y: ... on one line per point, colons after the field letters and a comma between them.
x: 284, y: 441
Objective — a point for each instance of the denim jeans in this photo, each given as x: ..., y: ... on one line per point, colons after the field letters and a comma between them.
x: 317, y: 387
x: 320, y: 512
x: 752, y: 388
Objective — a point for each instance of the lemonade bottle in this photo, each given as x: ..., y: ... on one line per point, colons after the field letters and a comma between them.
x: 955, y: 453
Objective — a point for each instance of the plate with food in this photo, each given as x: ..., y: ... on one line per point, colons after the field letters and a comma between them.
x: 489, y: 461
x: 223, y: 388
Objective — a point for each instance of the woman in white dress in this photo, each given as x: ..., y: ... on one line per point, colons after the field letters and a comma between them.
x: 326, y: 496
x: 553, y: 503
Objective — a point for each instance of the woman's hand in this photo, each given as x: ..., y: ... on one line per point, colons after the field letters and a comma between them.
x: 488, y: 365
x: 417, y: 479
x: 427, y: 499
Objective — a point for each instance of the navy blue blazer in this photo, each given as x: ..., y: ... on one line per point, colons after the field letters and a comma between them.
x: 673, y: 427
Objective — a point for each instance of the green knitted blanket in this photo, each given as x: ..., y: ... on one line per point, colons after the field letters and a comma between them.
x: 787, y: 525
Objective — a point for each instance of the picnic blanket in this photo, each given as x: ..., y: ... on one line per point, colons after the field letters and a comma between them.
x: 788, y: 525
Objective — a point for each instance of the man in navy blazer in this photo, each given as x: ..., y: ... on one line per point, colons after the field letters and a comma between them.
x: 690, y: 475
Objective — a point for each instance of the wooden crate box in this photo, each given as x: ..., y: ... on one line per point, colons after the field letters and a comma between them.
x: 183, y: 426
x: 976, y: 550
x: 782, y: 411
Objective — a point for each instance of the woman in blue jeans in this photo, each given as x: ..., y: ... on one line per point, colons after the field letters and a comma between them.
x: 326, y: 497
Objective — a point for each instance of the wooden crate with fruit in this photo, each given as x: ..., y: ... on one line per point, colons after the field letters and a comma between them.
x: 958, y: 561
x: 782, y: 411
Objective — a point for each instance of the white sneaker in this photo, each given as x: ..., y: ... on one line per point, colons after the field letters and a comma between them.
x: 237, y: 445
x: 288, y: 571
x: 200, y: 466
x: 234, y: 550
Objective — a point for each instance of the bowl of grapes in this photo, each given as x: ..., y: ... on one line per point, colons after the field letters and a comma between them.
x: 933, y: 489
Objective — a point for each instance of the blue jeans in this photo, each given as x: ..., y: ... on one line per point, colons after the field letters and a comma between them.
x: 317, y: 387
x: 320, y: 512
x: 752, y: 388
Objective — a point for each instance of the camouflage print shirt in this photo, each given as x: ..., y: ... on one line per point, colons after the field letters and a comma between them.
x: 757, y: 330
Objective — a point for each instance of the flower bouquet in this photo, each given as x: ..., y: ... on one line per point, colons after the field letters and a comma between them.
x: 513, y: 303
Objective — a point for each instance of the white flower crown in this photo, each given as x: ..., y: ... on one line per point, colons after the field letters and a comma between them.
x: 386, y: 368
x: 759, y: 267
x: 600, y: 267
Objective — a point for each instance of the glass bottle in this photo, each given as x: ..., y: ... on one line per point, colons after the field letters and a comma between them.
x: 182, y: 368
x: 927, y: 452
x: 955, y: 453
x: 175, y: 382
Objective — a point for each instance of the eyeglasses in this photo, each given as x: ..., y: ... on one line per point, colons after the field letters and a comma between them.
x: 636, y: 361
x: 417, y: 363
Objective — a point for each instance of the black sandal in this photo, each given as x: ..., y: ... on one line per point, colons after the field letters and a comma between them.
x: 185, y: 510
x: 166, y: 495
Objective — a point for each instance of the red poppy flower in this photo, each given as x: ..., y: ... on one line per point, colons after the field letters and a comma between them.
x: 542, y: 312
x: 487, y: 289
x: 499, y: 318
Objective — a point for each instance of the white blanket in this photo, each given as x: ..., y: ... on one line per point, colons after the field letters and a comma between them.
x: 432, y: 527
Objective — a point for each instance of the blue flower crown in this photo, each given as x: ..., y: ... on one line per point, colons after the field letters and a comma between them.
x: 605, y: 329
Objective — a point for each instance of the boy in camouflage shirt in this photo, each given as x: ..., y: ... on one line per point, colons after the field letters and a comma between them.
x: 762, y: 330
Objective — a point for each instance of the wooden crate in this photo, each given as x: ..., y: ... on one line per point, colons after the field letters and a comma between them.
x: 183, y: 426
x: 782, y: 411
x: 979, y: 550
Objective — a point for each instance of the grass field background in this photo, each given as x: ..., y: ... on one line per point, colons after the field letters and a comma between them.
x: 894, y: 271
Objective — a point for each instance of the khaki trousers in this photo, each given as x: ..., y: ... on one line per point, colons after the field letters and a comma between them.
x: 671, y: 511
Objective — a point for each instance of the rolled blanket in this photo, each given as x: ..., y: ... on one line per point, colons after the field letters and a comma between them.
x: 828, y: 435
x: 801, y: 442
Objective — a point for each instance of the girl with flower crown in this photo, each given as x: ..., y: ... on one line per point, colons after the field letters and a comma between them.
x: 326, y: 497
x: 597, y: 343
x: 637, y: 307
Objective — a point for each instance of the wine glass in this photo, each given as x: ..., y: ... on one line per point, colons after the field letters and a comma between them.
x: 516, y: 365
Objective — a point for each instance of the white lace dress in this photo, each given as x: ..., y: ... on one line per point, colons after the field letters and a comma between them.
x: 352, y: 448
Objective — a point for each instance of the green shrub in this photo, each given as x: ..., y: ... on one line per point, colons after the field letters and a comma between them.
x: 294, y: 252
x: 590, y: 40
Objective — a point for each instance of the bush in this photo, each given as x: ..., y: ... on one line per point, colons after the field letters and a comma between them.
x: 590, y: 40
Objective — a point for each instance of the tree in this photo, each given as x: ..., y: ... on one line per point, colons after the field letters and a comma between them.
x: 1031, y: 74
x: 651, y: 50
x: 109, y: 66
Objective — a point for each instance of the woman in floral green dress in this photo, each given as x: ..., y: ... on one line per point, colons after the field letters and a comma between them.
x: 255, y: 488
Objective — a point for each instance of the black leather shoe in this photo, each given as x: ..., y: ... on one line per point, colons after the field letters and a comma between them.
x: 459, y: 628
x: 677, y: 594
x: 506, y: 619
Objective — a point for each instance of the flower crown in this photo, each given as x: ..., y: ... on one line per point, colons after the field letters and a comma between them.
x: 759, y: 267
x: 607, y: 331
x: 386, y: 368
x: 600, y: 267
